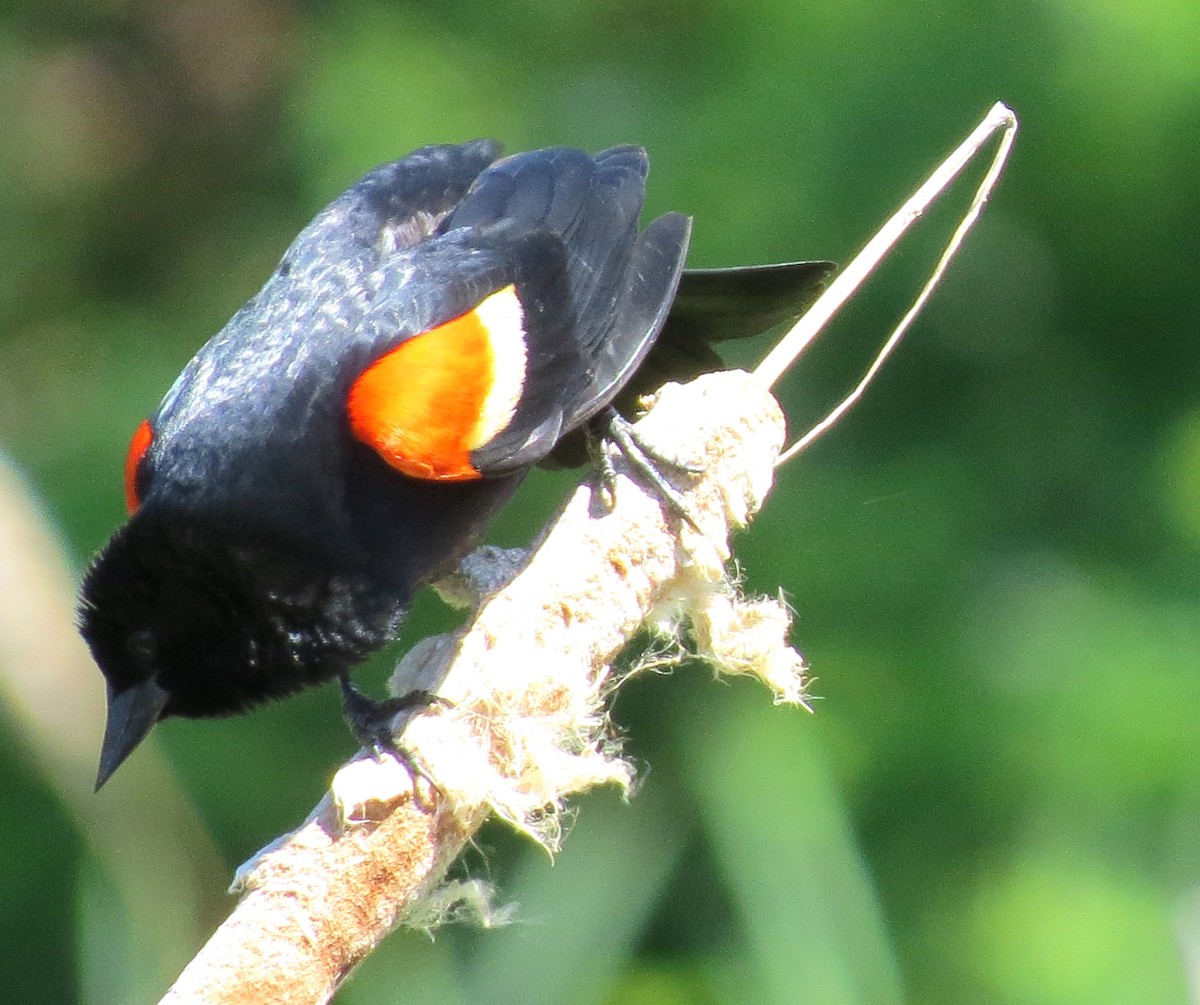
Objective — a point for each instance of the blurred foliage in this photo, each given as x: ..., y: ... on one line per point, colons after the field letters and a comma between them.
x: 995, y: 559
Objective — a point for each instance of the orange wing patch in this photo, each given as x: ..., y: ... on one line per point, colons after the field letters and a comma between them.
x: 445, y: 392
x: 143, y: 436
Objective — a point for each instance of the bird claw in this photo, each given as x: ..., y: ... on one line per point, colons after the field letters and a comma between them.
x: 371, y: 722
x: 645, y: 459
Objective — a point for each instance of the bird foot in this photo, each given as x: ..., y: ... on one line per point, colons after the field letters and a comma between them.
x: 373, y: 724
x: 646, y: 460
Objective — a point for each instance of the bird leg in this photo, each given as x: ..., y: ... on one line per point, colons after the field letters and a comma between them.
x: 646, y: 460
x: 371, y: 722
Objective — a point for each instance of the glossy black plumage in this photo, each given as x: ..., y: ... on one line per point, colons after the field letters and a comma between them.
x: 271, y: 549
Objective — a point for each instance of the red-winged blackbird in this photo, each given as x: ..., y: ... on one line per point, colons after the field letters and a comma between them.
x: 441, y: 327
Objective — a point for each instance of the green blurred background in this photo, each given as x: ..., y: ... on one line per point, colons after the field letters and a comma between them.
x: 994, y: 560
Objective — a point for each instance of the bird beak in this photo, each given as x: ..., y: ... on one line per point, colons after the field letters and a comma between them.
x: 131, y: 715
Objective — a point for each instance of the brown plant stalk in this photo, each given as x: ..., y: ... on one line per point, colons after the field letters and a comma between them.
x: 525, y: 725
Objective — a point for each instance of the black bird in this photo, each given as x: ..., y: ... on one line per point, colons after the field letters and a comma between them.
x: 440, y: 328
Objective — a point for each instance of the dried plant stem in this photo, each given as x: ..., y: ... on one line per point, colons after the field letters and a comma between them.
x: 1000, y: 118
x: 527, y: 680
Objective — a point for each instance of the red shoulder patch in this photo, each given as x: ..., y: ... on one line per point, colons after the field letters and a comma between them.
x: 424, y: 406
x: 142, y: 438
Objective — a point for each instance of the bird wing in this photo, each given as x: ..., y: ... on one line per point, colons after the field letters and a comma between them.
x: 519, y: 318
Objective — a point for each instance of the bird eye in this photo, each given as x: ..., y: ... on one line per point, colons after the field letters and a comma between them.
x: 142, y: 647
